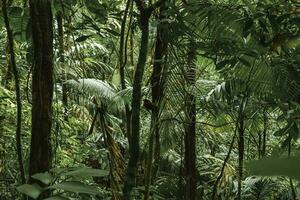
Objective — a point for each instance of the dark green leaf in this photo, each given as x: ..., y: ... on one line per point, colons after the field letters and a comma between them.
x: 82, y: 38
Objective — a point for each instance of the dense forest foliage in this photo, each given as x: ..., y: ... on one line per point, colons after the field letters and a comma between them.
x: 149, y: 99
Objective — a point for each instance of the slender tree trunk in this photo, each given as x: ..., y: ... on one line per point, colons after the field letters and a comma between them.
x: 42, y: 88
x: 17, y: 89
x: 190, y: 130
x: 293, y: 191
x: 123, y: 65
x: 158, y: 81
x: 259, y: 145
x: 60, y: 28
x: 264, y: 136
x: 149, y: 160
x: 215, y: 187
x: 134, y: 147
x: 241, y: 147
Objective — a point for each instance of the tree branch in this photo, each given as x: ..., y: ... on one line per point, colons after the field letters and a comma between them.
x: 157, y: 4
x: 141, y: 5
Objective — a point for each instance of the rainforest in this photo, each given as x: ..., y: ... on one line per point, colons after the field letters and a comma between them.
x: 149, y: 99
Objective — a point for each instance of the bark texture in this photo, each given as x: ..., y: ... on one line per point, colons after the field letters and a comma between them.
x: 42, y: 88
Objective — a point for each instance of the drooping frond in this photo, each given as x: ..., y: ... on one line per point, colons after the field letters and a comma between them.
x: 98, y: 92
x: 93, y: 87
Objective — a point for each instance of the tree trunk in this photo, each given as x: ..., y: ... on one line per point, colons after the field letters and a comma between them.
x: 190, y: 130
x: 241, y: 147
x: 42, y: 88
x: 134, y: 147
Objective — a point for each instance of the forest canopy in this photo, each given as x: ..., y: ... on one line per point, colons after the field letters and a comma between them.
x: 149, y: 99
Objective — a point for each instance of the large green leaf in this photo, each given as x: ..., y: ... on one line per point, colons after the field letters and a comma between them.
x: 88, y: 172
x: 30, y: 190
x: 76, y: 187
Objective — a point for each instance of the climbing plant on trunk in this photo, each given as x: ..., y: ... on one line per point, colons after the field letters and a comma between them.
x: 134, y: 140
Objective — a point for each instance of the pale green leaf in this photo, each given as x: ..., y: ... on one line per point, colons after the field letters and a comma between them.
x: 88, y: 172
x: 30, y: 190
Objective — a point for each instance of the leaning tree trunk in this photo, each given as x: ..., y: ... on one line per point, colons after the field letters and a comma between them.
x: 17, y: 89
x: 190, y: 129
x: 42, y: 88
x: 158, y: 80
x: 61, y: 46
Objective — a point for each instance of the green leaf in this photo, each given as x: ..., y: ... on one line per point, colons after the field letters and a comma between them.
x: 45, y: 178
x: 57, y: 198
x: 76, y: 187
x: 276, y: 167
x: 33, y: 190
x: 83, y: 172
